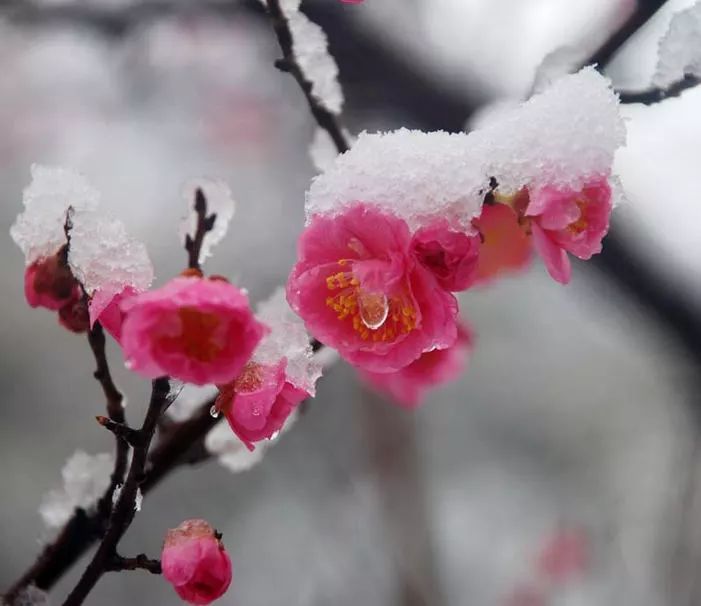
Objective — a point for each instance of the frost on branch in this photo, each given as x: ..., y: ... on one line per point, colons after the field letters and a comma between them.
x: 287, y: 339
x: 219, y: 201
x: 39, y: 230
x: 310, y: 47
x: 562, y: 137
x: 30, y: 596
x: 85, y: 479
x: 104, y: 257
x: 680, y: 48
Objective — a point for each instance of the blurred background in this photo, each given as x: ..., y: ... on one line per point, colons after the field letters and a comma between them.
x: 579, y: 413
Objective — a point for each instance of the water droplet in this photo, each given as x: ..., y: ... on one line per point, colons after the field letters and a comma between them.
x: 214, y: 412
x: 274, y: 435
x: 255, y: 411
x: 374, y: 308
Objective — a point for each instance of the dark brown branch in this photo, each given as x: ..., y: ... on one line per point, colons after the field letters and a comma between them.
x: 324, y: 118
x: 122, y: 431
x: 140, y: 562
x: 655, y: 95
x: 123, y: 512
x: 193, y: 245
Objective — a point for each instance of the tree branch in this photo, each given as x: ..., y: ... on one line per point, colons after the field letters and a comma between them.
x: 324, y: 118
x: 655, y: 95
x: 140, y: 562
x: 193, y: 245
x: 123, y: 512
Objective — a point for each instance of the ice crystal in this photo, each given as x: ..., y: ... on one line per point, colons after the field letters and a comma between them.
x: 563, y: 136
x: 31, y: 596
x: 310, y: 48
x: 85, y: 479
x: 104, y: 257
x: 680, y: 48
x: 219, y: 202
x: 39, y: 230
x: 287, y: 339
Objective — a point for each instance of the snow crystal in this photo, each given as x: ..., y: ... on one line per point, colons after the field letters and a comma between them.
x: 39, y: 230
x: 138, y: 500
x: 287, y: 339
x: 287, y: 6
x: 563, y: 136
x: 680, y: 48
x: 310, y: 48
x: 219, y: 202
x: 31, y: 596
x: 104, y: 257
x: 85, y: 479
x: 558, y: 63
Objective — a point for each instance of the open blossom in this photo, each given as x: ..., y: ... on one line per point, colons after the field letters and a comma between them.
x: 359, y: 290
x: 451, y: 256
x: 194, y: 329
x: 259, y: 401
x: 505, y: 246
x: 106, y: 308
x: 195, y: 562
x: 565, y: 220
x: 409, y: 385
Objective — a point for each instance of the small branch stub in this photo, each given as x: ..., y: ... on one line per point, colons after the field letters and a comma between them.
x: 193, y: 245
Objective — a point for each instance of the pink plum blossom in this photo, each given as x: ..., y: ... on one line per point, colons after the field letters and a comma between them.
x: 194, y: 329
x: 359, y: 290
x: 258, y: 403
x: 106, y: 307
x: 409, y: 385
x: 451, y: 256
x: 49, y: 283
x: 195, y: 562
x: 505, y: 245
x: 564, y: 555
x: 565, y: 220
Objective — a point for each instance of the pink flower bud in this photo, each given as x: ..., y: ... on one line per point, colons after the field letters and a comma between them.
x: 195, y: 562
x: 49, y: 283
x: 74, y: 315
x: 196, y: 330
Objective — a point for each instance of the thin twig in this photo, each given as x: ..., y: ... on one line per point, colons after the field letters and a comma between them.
x: 123, y: 512
x: 651, y: 96
x: 122, y: 431
x: 205, y: 223
x: 324, y: 118
x: 140, y: 562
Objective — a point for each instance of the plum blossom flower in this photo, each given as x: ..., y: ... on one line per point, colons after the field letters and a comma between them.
x: 451, y: 256
x: 194, y: 329
x: 505, y: 246
x: 259, y: 401
x: 566, y: 220
x: 408, y: 386
x: 106, y: 308
x: 359, y: 290
x: 195, y: 562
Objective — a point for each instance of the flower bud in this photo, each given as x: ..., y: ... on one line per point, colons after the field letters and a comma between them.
x: 195, y: 562
x: 49, y: 283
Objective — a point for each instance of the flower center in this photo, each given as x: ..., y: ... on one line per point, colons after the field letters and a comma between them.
x: 198, y: 335
x: 250, y: 378
x: 373, y: 315
x: 581, y: 224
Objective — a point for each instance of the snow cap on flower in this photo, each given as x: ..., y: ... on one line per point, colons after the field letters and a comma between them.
x: 409, y: 385
x: 195, y: 562
x: 193, y: 329
x: 359, y: 289
x: 564, y: 136
x: 220, y: 202
x: 39, y: 230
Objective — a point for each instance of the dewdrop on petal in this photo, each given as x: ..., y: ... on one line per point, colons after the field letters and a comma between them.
x: 39, y: 230
x: 219, y: 202
x: 679, y: 52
